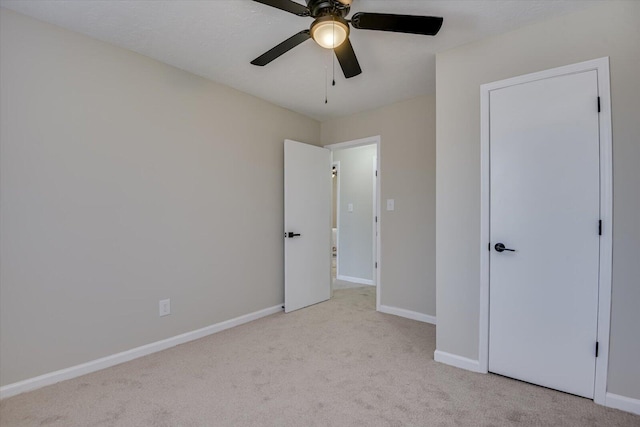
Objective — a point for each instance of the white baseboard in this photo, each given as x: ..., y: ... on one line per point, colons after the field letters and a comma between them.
x: 414, y: 315
x: 623, y: 403
x: 115, y: 359
x: 457, y: 361
x: 355, y: 280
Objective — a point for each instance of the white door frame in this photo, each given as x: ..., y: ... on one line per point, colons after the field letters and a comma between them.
x: 358, y: 143
x: 601, y: 65
x: 336, y: 163
x: 374, y: 208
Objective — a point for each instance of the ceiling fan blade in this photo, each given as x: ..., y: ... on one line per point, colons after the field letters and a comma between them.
x: 427, y: 25
x: 287, y: 6
x: 282, y: 48
x: 347, y: 59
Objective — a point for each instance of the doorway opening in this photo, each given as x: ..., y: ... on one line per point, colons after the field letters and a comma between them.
x: 355, y: 242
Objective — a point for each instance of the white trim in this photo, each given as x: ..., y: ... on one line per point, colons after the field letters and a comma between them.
x: 354, y: 143
x: 125, y: 356
x: 457, y: 361
x: 357, y: 143
x: 355, y: 280
x: 623, y: 403
x: 413, y: 315
x: 378, y: 224
x: 606, y: 239
x: 483, y: 339
x: 336, y: 163
x: 601, y: 65
x: 374, y: 209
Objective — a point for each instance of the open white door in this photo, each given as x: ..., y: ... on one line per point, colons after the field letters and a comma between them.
x: 307, y: 225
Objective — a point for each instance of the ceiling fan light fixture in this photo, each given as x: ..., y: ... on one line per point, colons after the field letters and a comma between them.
x: 329, y: 31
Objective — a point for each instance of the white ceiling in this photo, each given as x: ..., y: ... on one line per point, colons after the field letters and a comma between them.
x: 217, y: 39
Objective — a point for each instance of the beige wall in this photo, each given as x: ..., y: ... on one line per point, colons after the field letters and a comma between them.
x: 407, y: 172
x: 125, y: 181
x: 607, y: 29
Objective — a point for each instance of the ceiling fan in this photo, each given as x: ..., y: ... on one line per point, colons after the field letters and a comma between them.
x: 330, y: 29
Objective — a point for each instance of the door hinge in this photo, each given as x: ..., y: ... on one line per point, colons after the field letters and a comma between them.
x: 376, y: 265
x: 376, y: 219
x: 600, y: 228
x: 597, y: 348
x: 376, y: 173
x: 489, y: 246
x: 598, y: 104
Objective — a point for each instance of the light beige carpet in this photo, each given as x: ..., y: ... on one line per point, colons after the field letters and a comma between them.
x: 343, y: 284
x: 338, y: 363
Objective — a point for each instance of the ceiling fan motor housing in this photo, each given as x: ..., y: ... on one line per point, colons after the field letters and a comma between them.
x: 319, y: 8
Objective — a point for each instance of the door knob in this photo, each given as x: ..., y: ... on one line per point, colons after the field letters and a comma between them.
x: 501, y: 248
x: 290, y: 234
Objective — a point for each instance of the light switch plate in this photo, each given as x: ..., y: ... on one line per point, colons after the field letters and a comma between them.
x: 165, y: 307
x: 391, y: 205
x: 350, y: 207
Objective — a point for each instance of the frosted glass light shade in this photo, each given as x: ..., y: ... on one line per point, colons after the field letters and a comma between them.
x: 329, y: 33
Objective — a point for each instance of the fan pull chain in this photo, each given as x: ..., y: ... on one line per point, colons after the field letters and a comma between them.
x: 326, y: 99
x: 333, y: 53
x: 333, y: 83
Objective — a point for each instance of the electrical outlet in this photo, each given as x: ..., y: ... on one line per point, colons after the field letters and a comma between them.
x: 165, y: 307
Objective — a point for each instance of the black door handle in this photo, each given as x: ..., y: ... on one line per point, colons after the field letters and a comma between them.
x: 501, y: 248
x: 290, y: 234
